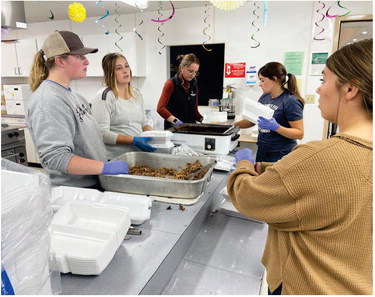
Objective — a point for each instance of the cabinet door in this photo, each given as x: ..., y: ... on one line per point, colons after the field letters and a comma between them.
x: 9, y: 66
x: 26, y: 49
x: 17, y: 57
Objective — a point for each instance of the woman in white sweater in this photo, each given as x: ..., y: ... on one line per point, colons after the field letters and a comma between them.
x: 119, y: 110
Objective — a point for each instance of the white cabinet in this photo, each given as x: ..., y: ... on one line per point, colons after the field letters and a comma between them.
x: 133, y: 48
x: 17, y: 57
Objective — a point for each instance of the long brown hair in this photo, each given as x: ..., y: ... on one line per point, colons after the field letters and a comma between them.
x: 276, y: 69
x: 109, y: 69
x: 353, y: 64
x: 40, y: 69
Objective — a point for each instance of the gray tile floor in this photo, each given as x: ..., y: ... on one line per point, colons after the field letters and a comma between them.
x: 224, y: 259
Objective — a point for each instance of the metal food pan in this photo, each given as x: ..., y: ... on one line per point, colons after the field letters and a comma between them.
x: 148, y: 185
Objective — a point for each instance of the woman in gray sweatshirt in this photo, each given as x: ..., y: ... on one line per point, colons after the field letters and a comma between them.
x: 67, y: 138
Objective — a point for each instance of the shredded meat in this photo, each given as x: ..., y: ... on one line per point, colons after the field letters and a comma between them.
x: 169, y: 172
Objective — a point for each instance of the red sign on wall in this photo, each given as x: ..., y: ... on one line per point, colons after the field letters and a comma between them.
x: 235, y: 69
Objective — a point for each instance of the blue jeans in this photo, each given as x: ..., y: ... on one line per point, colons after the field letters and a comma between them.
x: 264, y: 155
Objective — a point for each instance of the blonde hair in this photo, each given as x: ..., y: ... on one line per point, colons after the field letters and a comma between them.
x: 186, y: 61
x: 109, y: 69
x: 353, y: 64
x: 40, y: 69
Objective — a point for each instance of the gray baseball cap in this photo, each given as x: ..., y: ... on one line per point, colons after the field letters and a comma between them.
x: 65, y: 42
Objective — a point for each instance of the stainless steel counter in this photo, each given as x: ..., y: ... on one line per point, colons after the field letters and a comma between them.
x: 144, y: 264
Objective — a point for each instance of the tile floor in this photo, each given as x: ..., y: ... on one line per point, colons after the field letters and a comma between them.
x: 224, y: 259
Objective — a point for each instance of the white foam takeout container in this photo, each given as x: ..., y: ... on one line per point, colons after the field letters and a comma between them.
x: 252, y: 110
x: 139, y: 205
x: 85, y: 235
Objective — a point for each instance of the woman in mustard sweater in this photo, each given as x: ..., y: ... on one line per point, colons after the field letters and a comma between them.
x: 317, y: 200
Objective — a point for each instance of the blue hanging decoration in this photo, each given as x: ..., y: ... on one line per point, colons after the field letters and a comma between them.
x: 99, y: 3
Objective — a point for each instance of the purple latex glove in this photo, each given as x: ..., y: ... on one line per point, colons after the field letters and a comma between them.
x: 270, y: 124
x: 244, y: 154
x: 141, y: 143
x: 178, y: 123
x: 116, y: 167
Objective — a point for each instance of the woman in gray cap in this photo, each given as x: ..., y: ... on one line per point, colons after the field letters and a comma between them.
x: 66, y: 136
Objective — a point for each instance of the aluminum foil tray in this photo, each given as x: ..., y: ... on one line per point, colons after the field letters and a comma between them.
x: 155, y: 186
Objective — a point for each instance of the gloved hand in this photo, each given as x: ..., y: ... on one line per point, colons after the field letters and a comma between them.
x: 141, y: 143
x: 178, y: 123
x: 116, y: 167
x: 244, y: 154
x: 270, y: 124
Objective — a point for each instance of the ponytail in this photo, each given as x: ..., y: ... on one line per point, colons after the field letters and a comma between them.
x: 293, y: 88
x: 39, y: 70
x: 277, y: 72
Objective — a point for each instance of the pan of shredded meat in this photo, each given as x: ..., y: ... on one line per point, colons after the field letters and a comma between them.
x: 160, y: 175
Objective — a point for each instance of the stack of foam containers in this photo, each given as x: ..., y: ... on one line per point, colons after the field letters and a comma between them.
x: 28, y: 267
x: 252, y: 110
x: 161, y: 140
x: 85, y: 235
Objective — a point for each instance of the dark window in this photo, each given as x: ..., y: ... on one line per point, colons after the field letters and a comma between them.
x: 211, y: 69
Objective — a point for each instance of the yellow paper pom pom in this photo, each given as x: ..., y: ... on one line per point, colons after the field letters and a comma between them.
x: 76, y: 12
x: 227, y: 5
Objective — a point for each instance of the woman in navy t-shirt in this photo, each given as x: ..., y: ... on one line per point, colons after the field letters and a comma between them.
x: 277, y: 136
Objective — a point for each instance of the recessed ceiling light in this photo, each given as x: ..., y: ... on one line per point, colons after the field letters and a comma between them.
x: 355, y: 39
x: 364, y: 32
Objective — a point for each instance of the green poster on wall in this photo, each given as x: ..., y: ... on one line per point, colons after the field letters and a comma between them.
x: 318, y: 61
x: 293, y: 62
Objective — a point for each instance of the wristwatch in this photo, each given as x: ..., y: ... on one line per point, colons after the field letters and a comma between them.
x: 175, y: 120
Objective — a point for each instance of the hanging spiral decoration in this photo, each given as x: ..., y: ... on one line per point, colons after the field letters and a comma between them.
x: 168, y: 18
x: 52, y: 17
x: 317, y: 22
x: 205, y: 29
x: 265, y: 13
x: 161, y: 24
x: 140, y: 23
x: 118, y: 27
x: 328, y: 15
x: 348, y: 10
x: 253, y: 24
x: 99, y: 3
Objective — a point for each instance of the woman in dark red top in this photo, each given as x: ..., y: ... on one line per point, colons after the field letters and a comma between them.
x: 178, y: 102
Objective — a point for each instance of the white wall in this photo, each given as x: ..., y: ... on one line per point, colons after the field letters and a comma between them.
x: 290, y: 27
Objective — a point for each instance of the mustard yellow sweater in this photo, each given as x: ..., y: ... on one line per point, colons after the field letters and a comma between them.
x: 317, y: 202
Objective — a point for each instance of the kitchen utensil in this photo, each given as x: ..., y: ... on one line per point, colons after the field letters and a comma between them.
x: 194, y: 174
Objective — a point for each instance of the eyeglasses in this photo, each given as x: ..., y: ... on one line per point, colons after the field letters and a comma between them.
x: 196, y: 73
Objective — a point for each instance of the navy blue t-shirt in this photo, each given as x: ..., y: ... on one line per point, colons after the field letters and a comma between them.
x: 287, y: 108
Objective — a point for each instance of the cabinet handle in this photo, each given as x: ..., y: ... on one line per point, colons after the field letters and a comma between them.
x: 19, y: 70
x: 15, y: 70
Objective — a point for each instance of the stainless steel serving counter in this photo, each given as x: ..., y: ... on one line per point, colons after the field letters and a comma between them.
x: 144, y: 263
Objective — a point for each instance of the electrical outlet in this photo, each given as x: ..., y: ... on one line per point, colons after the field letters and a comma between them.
x: 310, y: 99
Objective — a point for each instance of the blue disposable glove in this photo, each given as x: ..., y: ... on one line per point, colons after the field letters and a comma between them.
x: 178, y: 123
x: 244, y: 154
x: 270, y: 124
x: 141, y: 143
x: 116, y: 167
